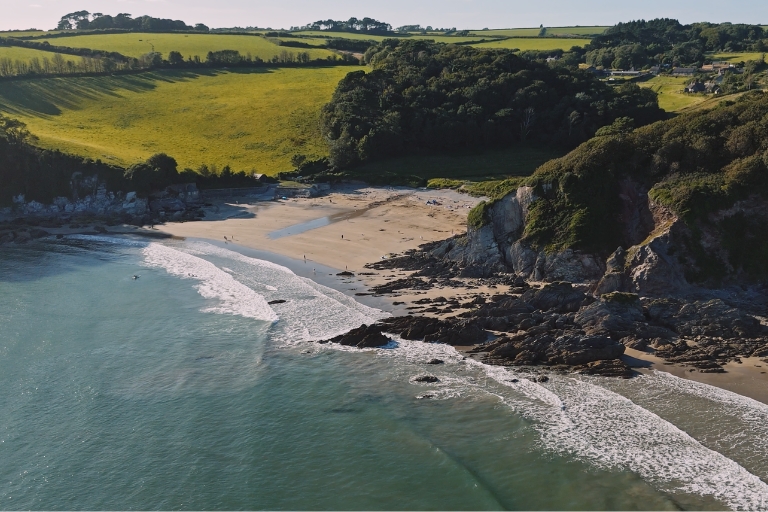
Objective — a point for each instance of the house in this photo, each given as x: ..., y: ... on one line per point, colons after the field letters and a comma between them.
x: 655, y: 70
x: 631, y: 72
x: 712, y: 88
x: 552, y: 59
x: 695, y: 86
x: 684, y: 71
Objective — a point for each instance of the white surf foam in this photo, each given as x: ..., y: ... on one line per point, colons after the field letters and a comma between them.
x: 234, y: 297
x: 311, y: 312
x: 577, y: 417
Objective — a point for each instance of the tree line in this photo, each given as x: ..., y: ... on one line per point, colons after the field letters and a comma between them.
x: 422, y: 96
x: 42, y: 175
x: 360, y: 26
x: 84, y: 20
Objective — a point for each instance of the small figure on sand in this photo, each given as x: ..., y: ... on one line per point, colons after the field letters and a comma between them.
x: 342, y: 236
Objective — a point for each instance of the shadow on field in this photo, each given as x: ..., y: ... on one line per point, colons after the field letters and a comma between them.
x: 51, y: 96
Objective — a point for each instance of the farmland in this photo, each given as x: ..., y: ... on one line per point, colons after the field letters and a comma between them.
x: 249, y: 119
x: 532, y: 32
x: 535, y: 43
x: 367, y: 37
x: 737, y: 57
x: 670, y: 91
x: 24, y: 54
x: 136, y: 44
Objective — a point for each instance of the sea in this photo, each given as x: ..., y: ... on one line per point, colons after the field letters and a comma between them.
x: 183, y: 388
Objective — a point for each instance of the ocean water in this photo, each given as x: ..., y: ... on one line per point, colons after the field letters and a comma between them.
x: 185, y: 389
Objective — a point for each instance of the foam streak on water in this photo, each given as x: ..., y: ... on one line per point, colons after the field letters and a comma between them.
x: 577, y: 417
x: 234, y: 297
x: 594, y: 420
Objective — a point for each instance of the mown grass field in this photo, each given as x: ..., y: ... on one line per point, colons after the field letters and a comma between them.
x: 540, y: 43
x: 670, y: 91
x: 253, y: 119
x: 136, y: 44
x: 367, y: 37
x: 26, y: 54
x: 516, y: 161
x: 737, y: 57
x: 26, y: 33
x: 531, y: 32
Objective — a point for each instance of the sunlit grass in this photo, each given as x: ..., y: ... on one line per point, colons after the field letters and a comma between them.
x: 537, y: 43
x: 249, y: 119
x: 136, y: 44
x: 26, y: 54
x: 552, y: 31
x: 670, y: 91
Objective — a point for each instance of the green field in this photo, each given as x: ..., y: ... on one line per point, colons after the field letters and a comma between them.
x: 22, y: 34
x: 532, y: 32
x: 253, y: 119
x: 535, y: 43
x: 670, y: 91
x: 366, y: 37
x: 136, y: 44
x: 27, y: 54
x: 736, y: 57
x: 510, y: 162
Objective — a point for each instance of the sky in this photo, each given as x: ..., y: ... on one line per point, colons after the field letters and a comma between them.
x: 463, y: 14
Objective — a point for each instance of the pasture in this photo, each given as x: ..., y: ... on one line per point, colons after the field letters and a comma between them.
x: 26, y: 54
x: 535, y: 43
x: 367, y: 37
x: 737, y: 57
x: 670, y: 91
x: 252, y: 119
x: 136, y: 44
x: 533, y: 32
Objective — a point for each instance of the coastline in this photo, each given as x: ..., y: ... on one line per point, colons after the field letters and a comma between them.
x: 378, y: 222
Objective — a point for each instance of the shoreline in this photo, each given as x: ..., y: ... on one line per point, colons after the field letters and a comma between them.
x: 378, y: 222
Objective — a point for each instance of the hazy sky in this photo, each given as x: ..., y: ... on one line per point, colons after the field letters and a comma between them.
x: 476, y: 14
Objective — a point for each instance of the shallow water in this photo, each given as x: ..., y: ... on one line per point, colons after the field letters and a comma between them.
x: 185, y: 389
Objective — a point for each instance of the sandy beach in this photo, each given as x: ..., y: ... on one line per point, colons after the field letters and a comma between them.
x: 356, y: 225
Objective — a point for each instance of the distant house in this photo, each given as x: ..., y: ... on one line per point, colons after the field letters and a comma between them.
x: 695, y: 86
x: 631, y: 72
x: 655, y: 70
x: 707, y: 68
x: 684, y: 71
x: 552, y: 59
x: 712, y: 88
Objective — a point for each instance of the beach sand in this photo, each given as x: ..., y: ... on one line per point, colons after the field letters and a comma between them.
x: 355, y: 225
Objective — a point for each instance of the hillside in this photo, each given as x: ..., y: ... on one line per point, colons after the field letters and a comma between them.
x: 249, y: 119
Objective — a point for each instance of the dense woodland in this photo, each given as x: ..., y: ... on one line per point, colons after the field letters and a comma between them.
x: 422, y: 96
x: 359, y: 26
x: 84, y: 20
x: 666, y: 41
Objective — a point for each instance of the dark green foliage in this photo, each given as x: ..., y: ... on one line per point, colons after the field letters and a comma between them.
x: 694, y: 164
x: 621, y: 298
x: 479, y: 216
x: 665, y: 41
x: 83, y: 20
x: 360, y: 26
x: 424, y: 96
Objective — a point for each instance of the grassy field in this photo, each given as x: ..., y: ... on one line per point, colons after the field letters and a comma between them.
x: 670, y: 91
x: 552, y: 31
x: 541, y: 43
x: 138, y: 44
x: 249, y: 119
x: 511, y: 162
x: 736, y: 57
x: 27, y: 54
x: 26, y: 33
x: 366, y: 37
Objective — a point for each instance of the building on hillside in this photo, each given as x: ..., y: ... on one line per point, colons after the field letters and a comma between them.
x: 712, y: 88
x: 655, y: 70
x: 631, y: 72
x: 684, y: 71
x: 695, y: 86
x: 552, y: 59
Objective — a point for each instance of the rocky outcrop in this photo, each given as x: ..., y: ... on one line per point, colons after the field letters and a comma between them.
x: 365, y: 336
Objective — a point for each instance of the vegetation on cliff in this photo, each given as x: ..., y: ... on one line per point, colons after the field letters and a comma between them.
x: 695, y: 165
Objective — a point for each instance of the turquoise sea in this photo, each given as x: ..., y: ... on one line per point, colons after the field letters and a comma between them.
x: 185, y: 389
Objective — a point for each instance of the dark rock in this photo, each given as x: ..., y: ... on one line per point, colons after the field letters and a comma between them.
x: 345, y: 273
x: 364, y: 336
x: 606, y: 368
x: 278, y: 301
x: 560, y: 296
x: 426, y: 378
x: 542, y: 378
x: 435, y: 361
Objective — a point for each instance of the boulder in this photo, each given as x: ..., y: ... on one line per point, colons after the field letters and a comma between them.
x: 365, y: 336
x: 559, y: 296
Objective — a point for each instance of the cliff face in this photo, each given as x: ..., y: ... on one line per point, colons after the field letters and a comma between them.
x: 660, y: 255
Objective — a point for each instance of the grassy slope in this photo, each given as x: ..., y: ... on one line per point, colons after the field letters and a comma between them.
x: 736, y: 57
x: 552, y: 31
x: 250, y: 119
x: 476, y: 167
x: 138, y: 44
x: 540, y: 43
x: 670, y: 91
x: 366, y: 37
x: 27, y: 54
